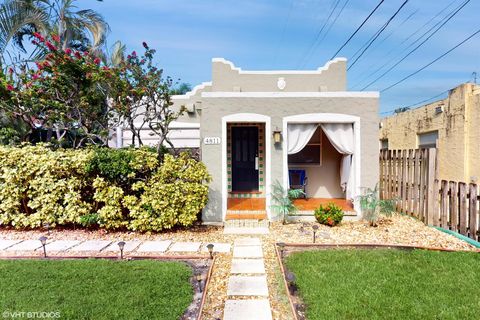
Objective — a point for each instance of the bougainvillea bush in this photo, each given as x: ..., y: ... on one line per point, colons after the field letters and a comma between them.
x: 99, y: 187
x: 68, y: 94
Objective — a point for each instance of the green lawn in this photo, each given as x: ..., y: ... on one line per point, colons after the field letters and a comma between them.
x: 96, y: 289
x: 388, y: 284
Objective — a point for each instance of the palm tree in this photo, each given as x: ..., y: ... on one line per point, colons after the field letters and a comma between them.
x: 18, y: 18
x: 117, y: 54
x: 79, y: 29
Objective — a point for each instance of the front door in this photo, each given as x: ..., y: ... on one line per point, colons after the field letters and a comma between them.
x: 245, y: 159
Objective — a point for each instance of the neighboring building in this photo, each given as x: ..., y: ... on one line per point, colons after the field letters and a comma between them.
x: 451, y: 125
x: 254, y: 127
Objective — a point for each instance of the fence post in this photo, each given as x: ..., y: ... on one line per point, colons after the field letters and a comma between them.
x: 453, y: 206
x: 463, y: 208
x: 473, y: 218
x: 432, y: 189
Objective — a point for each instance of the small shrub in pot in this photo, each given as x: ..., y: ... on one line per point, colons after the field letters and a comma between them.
x: 329, y: 215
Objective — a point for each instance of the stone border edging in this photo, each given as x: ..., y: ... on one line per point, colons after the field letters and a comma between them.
x: 193, y: 257
x: 371, y: 246
x: 207, y: 282
x: 460, y: 236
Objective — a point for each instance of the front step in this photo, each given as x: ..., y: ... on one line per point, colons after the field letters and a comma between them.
x: 246, y: 215
x: 246, y: 223
x: 246, y: 226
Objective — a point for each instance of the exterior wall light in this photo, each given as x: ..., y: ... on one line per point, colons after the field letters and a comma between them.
x: 43, y: 241
x: 210, y: 249
x: 277, y: 136
x: 121, y: 246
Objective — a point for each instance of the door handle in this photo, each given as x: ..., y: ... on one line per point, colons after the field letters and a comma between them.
x: 256, y: 163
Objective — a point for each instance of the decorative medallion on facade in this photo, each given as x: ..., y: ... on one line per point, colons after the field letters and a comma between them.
x: 281, y: 83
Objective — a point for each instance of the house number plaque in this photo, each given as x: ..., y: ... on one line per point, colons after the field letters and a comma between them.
x: 211, y: 140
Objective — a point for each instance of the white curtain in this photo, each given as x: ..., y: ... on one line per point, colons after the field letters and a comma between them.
x: 298, y: 135
x: 341, y: 136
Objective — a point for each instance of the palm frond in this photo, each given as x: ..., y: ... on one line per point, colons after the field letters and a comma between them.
x: 14, y: 16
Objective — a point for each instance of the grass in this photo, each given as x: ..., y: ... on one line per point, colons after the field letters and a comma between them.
x: 96, y: 289
x: 387, y: 284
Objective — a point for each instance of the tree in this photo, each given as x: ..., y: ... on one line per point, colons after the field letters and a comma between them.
x: 67, y: 95
x: 79, y: 29
x: 182, y: 88
x: 16, y: 19
x: 146, y: 101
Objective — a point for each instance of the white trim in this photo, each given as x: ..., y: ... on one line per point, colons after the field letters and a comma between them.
x: 179, y: 124
x: 327, y: 118
x: 331, y: 94
x: 318, y: 71
x: 254, y: 118
x: 193, y: 92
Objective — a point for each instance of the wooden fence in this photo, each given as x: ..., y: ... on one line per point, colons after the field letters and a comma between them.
x: 409, y: 177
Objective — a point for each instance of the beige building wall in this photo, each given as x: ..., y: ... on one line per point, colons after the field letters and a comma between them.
x: 457, y: 120
x: 276, y: 95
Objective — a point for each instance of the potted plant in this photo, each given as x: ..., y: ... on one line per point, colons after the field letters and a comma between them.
x: 329, y: 215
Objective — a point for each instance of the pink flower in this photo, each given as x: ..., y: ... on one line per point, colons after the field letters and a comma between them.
x: 56, y: 38
x: 78, y: 55
x: 39, y: 65
x: 68, y: 51
x: 39, y: 36
x: 35, y: 76
x: 134, y: 53
x: 50, y: 46
x: 97, y: 61
x: 10, y: 87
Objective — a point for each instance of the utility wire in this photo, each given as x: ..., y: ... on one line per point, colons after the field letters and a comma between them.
x: 331, y: 25
x: 432, y: 62
x: 420, y: 102
x: 358, y: 29
x: 416, y: 48
x: 285, y: 26
x: 307, y: 53
x: 402, y: 42
x: 378, y: 34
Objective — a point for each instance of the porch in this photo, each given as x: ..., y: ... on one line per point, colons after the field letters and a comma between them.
x: 255, y: 208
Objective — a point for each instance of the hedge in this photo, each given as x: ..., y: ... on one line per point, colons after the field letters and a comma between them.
x: 105, y: 188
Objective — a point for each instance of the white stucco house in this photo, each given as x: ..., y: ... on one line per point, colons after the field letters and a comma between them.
x: 300, y: 128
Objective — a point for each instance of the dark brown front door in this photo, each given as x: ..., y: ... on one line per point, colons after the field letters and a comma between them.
x: 245, y: 159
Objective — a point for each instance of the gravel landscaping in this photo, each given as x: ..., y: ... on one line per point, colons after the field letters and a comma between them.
x: 397, y: 229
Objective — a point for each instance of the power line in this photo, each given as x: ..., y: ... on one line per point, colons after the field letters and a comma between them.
x: 307, y: 53
x: 378, y: 34
x: 280, y: 43
x: 403, y: 41
x: 331, y: 25
x: 420, y: 102
x: 432, y: 62
x: 358, y: 29
x: 417, y: 47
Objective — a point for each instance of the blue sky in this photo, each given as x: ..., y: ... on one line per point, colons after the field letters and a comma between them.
x: 277, y: 34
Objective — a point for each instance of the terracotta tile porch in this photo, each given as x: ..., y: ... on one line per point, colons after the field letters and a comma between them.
x: 255, y: 208
x: 311, y: 204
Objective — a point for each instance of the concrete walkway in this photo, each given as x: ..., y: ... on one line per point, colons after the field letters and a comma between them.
x: 247, y: 280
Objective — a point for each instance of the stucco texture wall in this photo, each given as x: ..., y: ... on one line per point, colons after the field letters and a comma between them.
x: 458, y: 127
x: 277, y: 108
